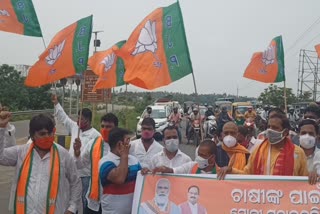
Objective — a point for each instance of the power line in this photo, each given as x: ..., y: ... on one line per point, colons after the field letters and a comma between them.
x: 303, y: 34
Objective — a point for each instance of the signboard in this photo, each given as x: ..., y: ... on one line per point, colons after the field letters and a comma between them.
x: 98, y: 96
x: 236, y: 195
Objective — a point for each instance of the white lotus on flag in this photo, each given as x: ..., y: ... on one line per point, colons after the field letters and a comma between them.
x: 55, y: 53
x: 4, y: 13
x: 108, y: 62
x: 147, y: 39
x: 269, y: 55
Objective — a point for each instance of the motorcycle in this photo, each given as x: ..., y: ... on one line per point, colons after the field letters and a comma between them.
x: 210, y: 126
x: 195, y: 132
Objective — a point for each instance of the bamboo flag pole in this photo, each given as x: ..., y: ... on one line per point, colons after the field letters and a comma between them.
x: 285, y: 96
x: 198, y: 101
x: 81, y: 106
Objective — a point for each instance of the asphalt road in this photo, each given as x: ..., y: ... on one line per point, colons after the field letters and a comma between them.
x: 7, y: 173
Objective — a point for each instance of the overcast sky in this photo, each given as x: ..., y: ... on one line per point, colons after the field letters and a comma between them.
x: 222, y: 35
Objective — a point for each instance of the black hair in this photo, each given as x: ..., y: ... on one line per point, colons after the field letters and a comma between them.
x: 169, y: 128
x: 86, y: 113
x: 243, y: 130
x: 39, y: 122
x: 313, y: 109
x: 277, y: 110
x: 211, y: 145
x: 309, y: 122
x: 111, y: 118
x: 149, y: 108
x: 194, y: 186
x: 284, y: 120
x: 116, y: 135
x: 148, y: 122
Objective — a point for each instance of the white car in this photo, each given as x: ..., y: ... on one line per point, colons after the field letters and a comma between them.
x: 160, y: 114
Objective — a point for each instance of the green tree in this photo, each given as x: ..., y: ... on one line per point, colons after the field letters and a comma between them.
x: 274, y: 95
x: 306, y: 96
x: 17, y: 96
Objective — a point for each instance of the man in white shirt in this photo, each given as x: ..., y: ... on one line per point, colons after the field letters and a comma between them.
x: 86, y: 134
x: 45, y: 171
x: 204, y: 162
x: 308, y: 132
x: 146, y: 147
x: 171, y: 156
x: 192, y: 206
x: 93, y: 152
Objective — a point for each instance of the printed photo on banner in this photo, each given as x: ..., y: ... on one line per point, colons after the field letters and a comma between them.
x: 174, y: 194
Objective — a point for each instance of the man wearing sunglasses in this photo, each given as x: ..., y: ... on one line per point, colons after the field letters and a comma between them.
x: 91, y: 155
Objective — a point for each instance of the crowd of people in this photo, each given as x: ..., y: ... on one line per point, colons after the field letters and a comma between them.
x: 100, y: 169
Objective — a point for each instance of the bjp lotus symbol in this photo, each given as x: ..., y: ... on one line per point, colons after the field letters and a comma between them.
x: 108, y: 62
x: 147, y: 41
x: 54, y: 55
x: 268, y: 57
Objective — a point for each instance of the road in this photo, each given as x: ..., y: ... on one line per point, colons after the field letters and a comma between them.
x: 7, y: 173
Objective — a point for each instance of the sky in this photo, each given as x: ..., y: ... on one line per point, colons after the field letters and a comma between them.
x: 222, y: 35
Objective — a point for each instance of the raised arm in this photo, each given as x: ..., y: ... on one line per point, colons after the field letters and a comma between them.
x: 8, y: 156
x: 61, y: 115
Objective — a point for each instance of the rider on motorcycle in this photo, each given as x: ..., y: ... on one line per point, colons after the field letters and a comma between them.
x: 195, y: 115
x: 175, y: 119
x: 209, y: 112
x: 250, y: 114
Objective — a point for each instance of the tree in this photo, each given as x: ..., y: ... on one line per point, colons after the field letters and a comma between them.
x: 16, y: 96
x: 306, y: 96
x: 274, y: 95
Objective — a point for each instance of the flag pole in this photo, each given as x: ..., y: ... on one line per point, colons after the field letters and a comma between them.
x: 81, y: 104
x: 285, y: 96
x: 198, y: 101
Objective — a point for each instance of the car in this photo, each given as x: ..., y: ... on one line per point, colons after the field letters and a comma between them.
x: 160, y: 114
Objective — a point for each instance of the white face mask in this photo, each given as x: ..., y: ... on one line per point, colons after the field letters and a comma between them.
x: 172, y: 145
x: 307, y: 141
x: 274, y: 137
x: 229, y: 141
x: 202, y: 163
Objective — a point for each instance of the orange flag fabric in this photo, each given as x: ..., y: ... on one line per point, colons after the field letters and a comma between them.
x: 109, y: 68
x: 66, y: 55
x: 317, y: 47
x: 268, y: 66
x: 157, y: 53
x: 19, y: 17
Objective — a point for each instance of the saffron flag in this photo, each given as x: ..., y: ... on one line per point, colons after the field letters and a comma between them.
x: 19, y: 17
x: 157, y: 53
x: 66, y: 55
x: 268, y: 66
x: 108, y: 67
x: 317, y: 47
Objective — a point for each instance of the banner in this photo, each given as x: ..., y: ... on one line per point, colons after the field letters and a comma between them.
x: 245, y: 194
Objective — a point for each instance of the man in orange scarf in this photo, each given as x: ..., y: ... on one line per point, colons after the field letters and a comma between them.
x: 237, y: 153
x: 91, y: 155
x: 46, y: 178
x: 276, y: 155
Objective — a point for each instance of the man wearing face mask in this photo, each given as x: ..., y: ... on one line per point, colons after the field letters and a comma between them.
x: 170, y: 156
x: 46, y: 178
x: 276, y: 155
x: 205, y: 162
x: 118, y: 172
x: 87, y: 133
x: 237, y: 153
x: 146, y: 147
x: 161, y: 202
x: 307, y: 137
x: 93, y: 152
